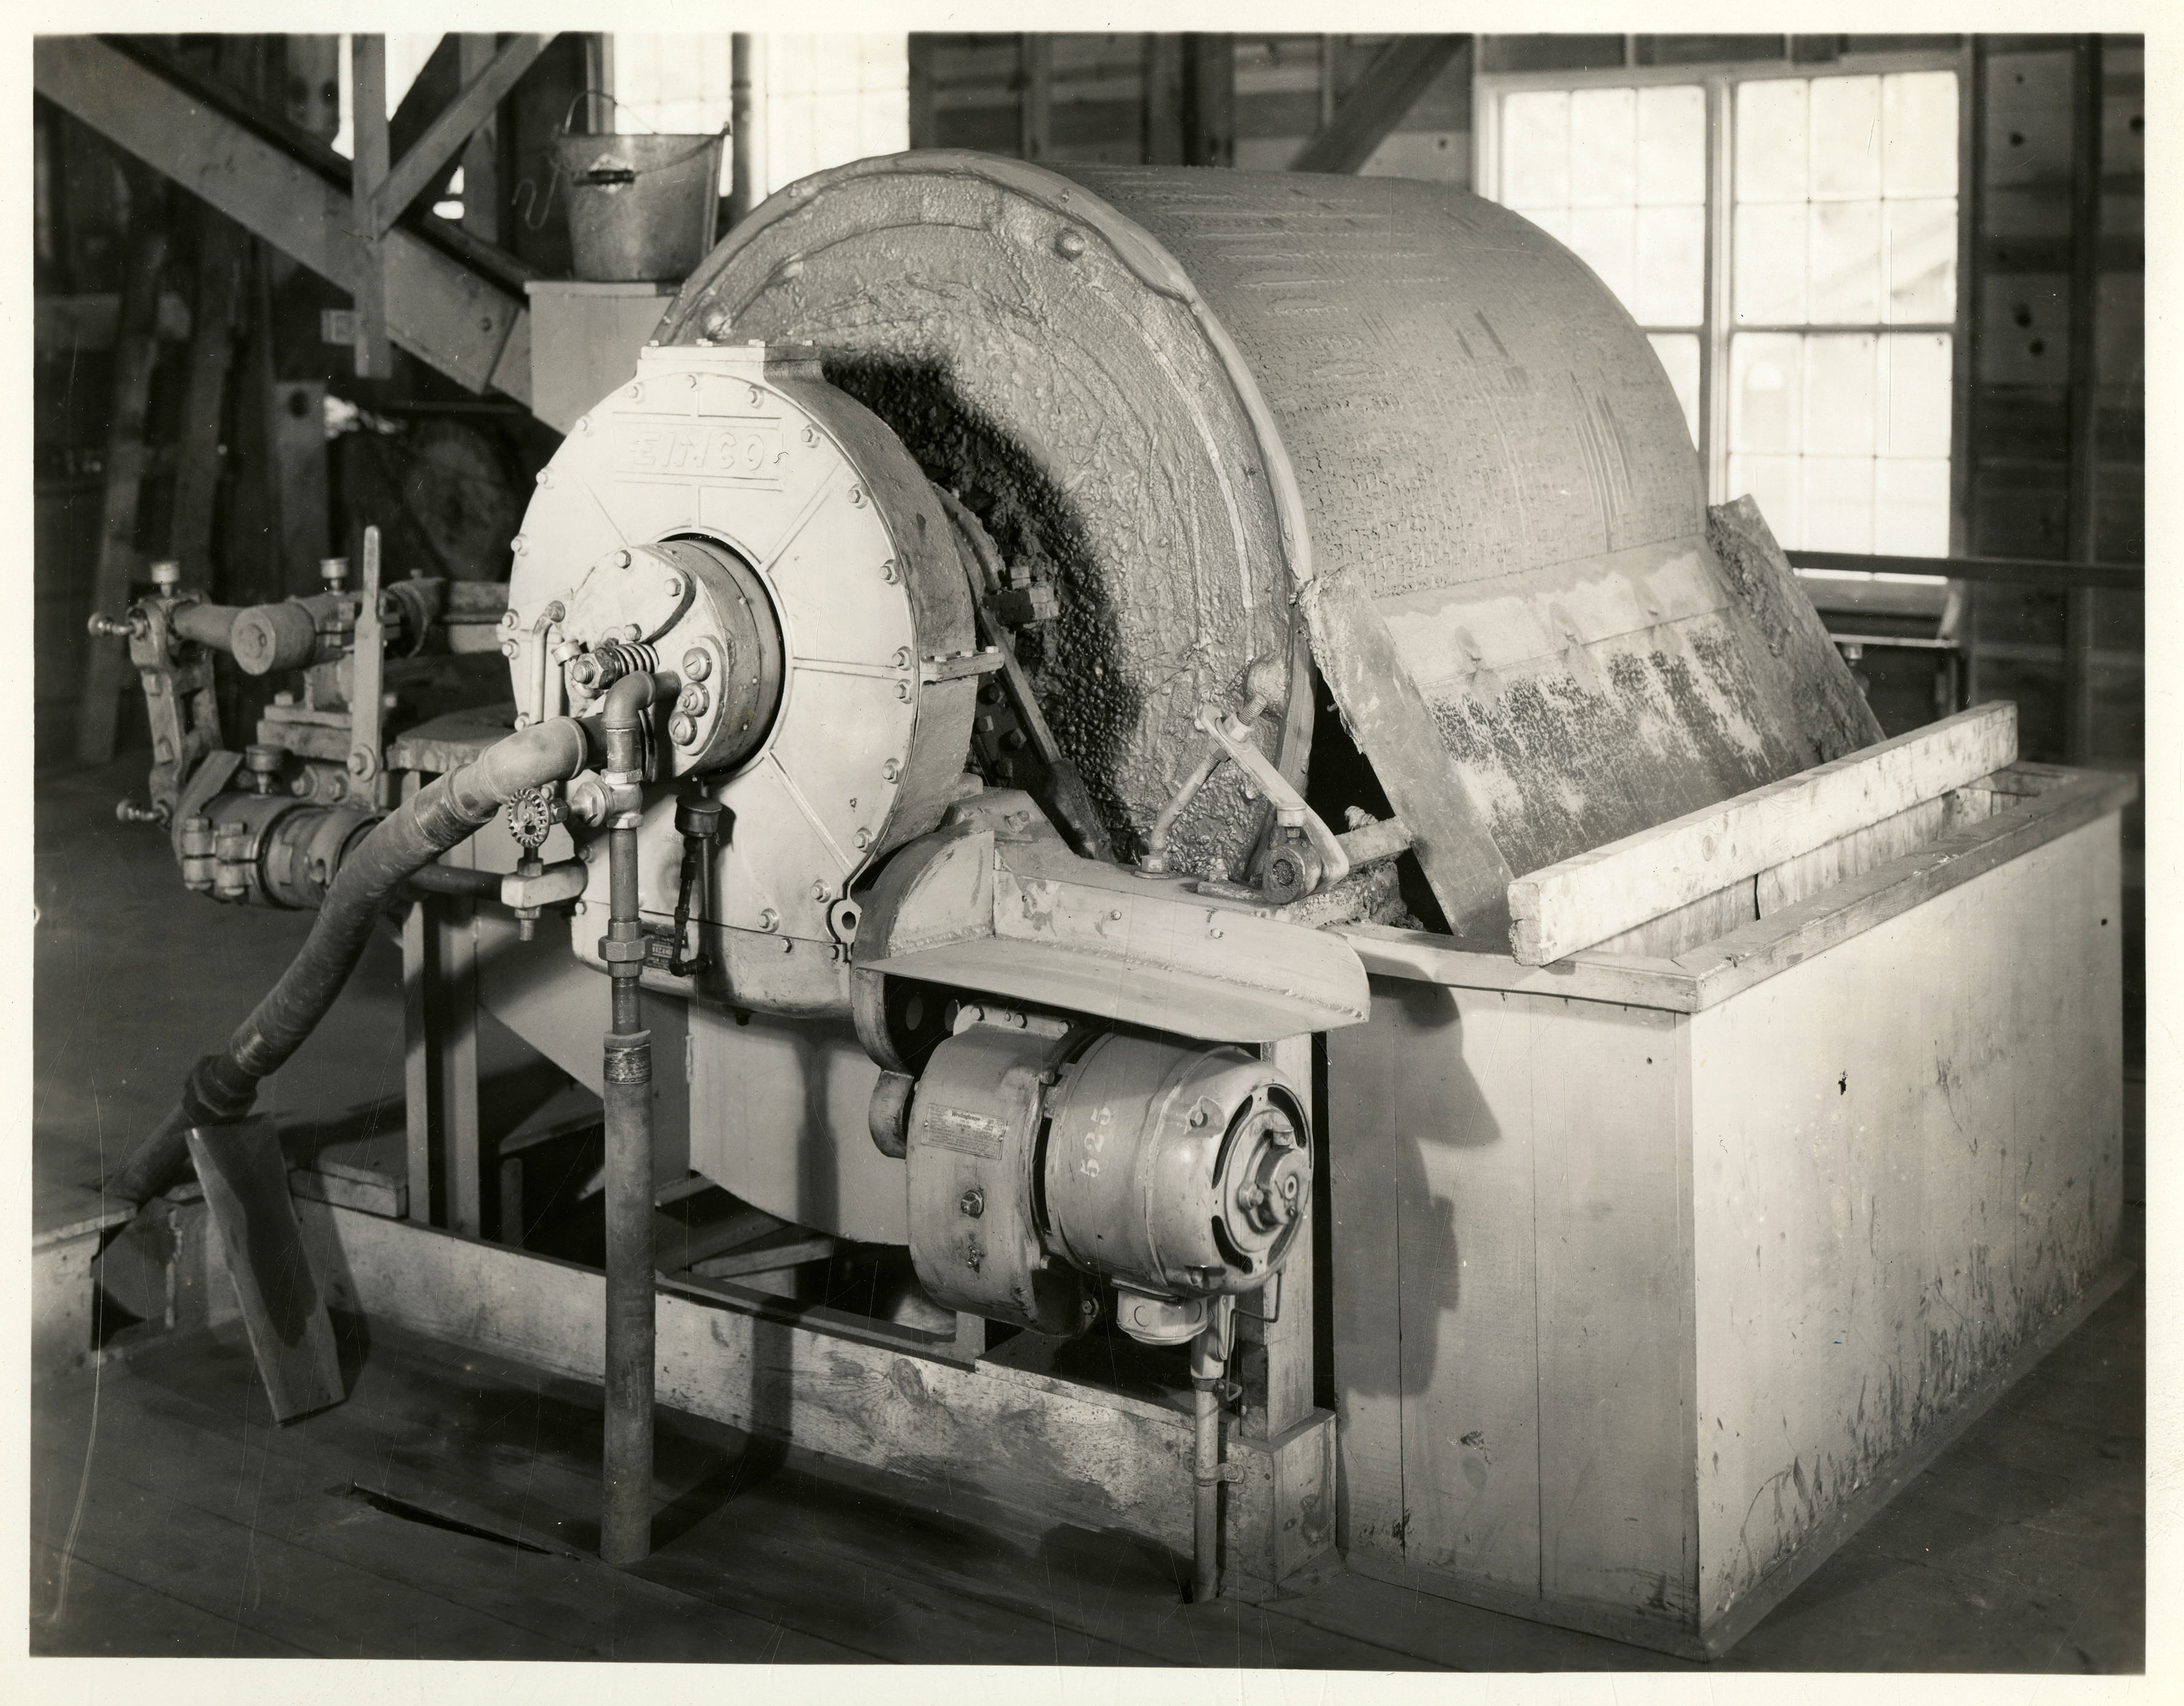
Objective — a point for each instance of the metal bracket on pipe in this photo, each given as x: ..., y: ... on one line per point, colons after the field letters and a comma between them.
x: 549, y: 887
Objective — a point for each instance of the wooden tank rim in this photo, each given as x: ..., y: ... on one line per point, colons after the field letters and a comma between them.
x: 2055, y: 801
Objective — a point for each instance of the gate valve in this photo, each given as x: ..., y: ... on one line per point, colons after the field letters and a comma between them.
x: 532, y: 816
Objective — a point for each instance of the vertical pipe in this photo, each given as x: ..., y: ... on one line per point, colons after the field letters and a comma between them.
x: 625, y: 1469
x: 1209, y: 1364
x: 746, y: 124
x: 626, y: 1513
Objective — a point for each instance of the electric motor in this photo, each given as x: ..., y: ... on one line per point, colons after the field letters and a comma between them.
x: 1040, y: 1152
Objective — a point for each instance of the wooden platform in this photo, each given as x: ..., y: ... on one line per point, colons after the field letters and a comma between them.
x: 193, y: 1526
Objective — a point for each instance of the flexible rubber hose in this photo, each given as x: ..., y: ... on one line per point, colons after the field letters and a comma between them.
x: 221, y: 1087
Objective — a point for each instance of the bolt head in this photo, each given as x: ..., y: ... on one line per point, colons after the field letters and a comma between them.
x: 715, y: 323
x: 359, y: 763
x: 673, y: 586
x: 697, y: 664
x: 694, y: 701
x: 890, y: 770
x: 508, y: 619
x: 622, y: 560
x: 973, y: 1202
x: 1069, y: 245
x: 683, y: 731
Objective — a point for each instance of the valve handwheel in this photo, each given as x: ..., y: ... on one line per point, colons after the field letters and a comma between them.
x: 530, y: 819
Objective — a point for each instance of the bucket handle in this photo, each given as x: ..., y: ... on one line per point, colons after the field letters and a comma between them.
x: 526, y: 193
x: 561, y: 129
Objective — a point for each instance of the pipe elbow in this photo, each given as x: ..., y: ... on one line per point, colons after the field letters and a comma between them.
x: 627, y: 701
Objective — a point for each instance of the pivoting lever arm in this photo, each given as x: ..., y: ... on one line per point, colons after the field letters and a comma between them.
x: 1293, y: 870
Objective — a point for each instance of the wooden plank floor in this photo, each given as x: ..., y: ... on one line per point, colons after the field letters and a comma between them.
x: 169, y: 1517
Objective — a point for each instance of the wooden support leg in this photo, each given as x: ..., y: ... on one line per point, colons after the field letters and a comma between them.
x: 510, y: 1203
x: 456, y: 1099
x: 439, y: 988
x: 106, y: 670
x: 482, y: 197
x: 223, y: 270
x: 375, y: 355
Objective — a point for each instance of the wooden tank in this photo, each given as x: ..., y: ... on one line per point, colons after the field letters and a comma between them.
x: 1660, y: 1268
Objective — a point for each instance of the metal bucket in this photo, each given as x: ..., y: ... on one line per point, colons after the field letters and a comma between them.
x: 640, y: 206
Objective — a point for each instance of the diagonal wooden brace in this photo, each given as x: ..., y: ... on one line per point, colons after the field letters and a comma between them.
x: 444, y: 137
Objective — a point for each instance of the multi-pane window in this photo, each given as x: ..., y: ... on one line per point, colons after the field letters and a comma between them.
x: 1620, y: 176
x: 1789, y: 244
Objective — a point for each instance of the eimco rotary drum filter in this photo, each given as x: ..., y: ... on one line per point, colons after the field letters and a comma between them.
x: 1380, y: 424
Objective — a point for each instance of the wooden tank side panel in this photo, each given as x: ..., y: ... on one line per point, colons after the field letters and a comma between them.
x: 1511, y: 1296
x: 1907, y: 1160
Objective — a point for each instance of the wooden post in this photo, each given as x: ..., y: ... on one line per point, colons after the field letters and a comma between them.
x: 106, y: 669
x: 2084, y: 525
x: 1034, y: 95
x: 223, y: 260
x: 375, y: 355
x: 439, y: 1015
x: 455, y: 1099
x: 921, y: 119
x: 1164, y: 102
x: 1209, y: 136
x: 482, y: 197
